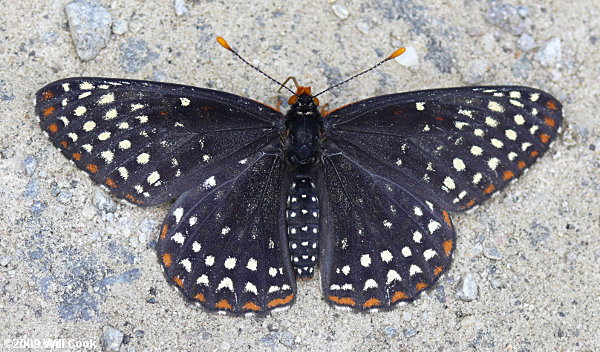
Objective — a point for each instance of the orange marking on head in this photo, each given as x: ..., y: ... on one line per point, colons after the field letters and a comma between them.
x: 373, y: 302
x: 439, y: 118
x: 507, y: 175
x: 111, y: 183
x: 47, y: 95
x: 534, y: 153
x: 53, y: 128
x: 49, y: 110
x: 550, y: 104
x: 280, y: 301
x: 447, y: 218
x: 398, y: 295
x: 420, y: 286
x: 302, y: 90
x: 167, y: 260
x: 200, y: 297
x: 447, y: 246
x: 93, y: 168
x: 521, y: 164
x: 163, y: 233
x: 491, y: 188
x: 64, y: 144
x: 76, y: 156
x: 251, y: 306
x: 549, y: 121
x: 438, y: 270
x: 347, y: 301
x: 178, y: 281
x: 544, y: 138
x: 223, y: 304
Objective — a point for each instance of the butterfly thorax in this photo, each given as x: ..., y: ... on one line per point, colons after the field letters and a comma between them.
x: 302, y: 137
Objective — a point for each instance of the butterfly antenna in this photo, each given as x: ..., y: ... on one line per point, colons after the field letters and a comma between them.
x: 226, y: 45
x: 394, y: 55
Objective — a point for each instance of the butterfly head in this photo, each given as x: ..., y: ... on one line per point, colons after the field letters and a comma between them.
x: 303, y: 101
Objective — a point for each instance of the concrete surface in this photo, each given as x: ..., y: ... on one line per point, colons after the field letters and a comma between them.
x: 77, y: 267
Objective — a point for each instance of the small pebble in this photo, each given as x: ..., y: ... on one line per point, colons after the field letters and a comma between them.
x: 29, y: 165
x: 507, y: 17
x: 180, y: 8
x: 407, y: 316
x: 550, y: 53
x: 409, y: 57
x: 390, y: 331
x: 89, y: 23
x: 492, y: 253
x: 225, y: 346
x: 468, y: 289
x: 526, y: 43
x: 521, y: 68
x: 363, y: 26
x: 340, y: 11
x: 120, y: 27
x: 111, y: 339
x: 50, y: 37
x: 410, y: 332
x: 103, y: 202
x: 31, y: 189
x: 476, y: 71
x: 4, y: 260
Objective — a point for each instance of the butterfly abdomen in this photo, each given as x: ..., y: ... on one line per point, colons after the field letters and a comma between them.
x: 303, y: 226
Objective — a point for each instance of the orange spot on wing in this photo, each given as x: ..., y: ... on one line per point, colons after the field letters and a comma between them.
x: 47, y: 95
x: 223, y: 304
x: 347, y: 301
x: 205, y: 107
x: 534, y: 153
x: 64, y: 144
x: 251, y: 306
x: 521, y: 164
x: 76, y: 156
x: 164, y: 113
x: 398, y: 112
x: 49, y: 110
x: 93, y: 168
x: 421, y: 286
x: 163, y: 233
x: 549, y: 121
x: 167, y: 260
x: 373, y: 302
x: 53, y: 128
x: 551, y: 104
x: 447, y: 246
x: 200, y: 297
x: 470, y: 203
x: 544, y: 138
x: 398, y: 295
x: 491, y: 188
x: 111, y: 183
x: 507, y: 175
x: 280, y: 301
x: 438, y: 270
x: 447, y: 218
x: 439, y: 118
x: 133, y: 199
x: 178, y: 281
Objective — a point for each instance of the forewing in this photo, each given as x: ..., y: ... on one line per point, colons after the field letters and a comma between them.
x: 147, y: 141
x: 225, y: 248
x: 382, y: 244
x: 457, y: 146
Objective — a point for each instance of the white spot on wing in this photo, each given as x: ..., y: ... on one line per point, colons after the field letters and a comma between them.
x: 209, y: 182
x: 230, y: 263
x: 178, y: 238
x: 433, y: 226
x: 370, y: 283
x: 178, y: 213
x: 414, y: 270
x: 365, y: 260
x: 225, y: 283
x: 252, y: 264
x: 393, y: 275
x: 420, y: 106
x: 386, y: 256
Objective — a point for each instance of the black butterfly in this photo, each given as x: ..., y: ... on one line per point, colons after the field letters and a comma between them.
x: 262, y: 197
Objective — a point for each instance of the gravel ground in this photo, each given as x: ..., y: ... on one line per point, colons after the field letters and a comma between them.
x: 79, y: 267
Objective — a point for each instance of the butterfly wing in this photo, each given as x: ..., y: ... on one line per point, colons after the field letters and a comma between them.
x: 382, y: 244
x: 456, y: 146
x: 224, y: 248
x: 147, y: 141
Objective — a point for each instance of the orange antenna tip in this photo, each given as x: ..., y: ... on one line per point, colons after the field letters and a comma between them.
x: 395, y: 54
x: 224, y: 43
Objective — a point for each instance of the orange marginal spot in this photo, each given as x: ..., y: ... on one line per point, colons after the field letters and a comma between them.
x: 133, y: 199
x: 49, y: 110
x: 521, y: 164
x: 439, y: 118
x: 398, y: 112
x: 420, y: 286
x: 447, y: 246
x: 53, y: 128
x: 373, y: 302
x: 164, y: 113
x: 178, y: 281
x: 544, y: 138
x: 507, y: 175
x: 64, y: 144
x: 163, y: 233
x: 205, y: 108
x: 167, y: 260
x: 471, y: 203
x: 549, y: 121
x: 347, y: 301
x: 110, y: 183
x: 77, y: 156
x: 491, y: 188
x: 47, y: 95
x: 223, y: 304
x: 550, y: 104
x: 93, y: 168
x: 534, y: 153
x: 251, y: 306
x: 438, y: 270
x: 280, y: 301
x: 200, y: 297
x: 447, y: 218
x: 398, y: 296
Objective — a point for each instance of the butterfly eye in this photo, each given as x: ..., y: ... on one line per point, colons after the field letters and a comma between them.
x: 316, y: 101
x: 293, y: 100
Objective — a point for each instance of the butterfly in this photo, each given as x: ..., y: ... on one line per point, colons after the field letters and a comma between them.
x: 263, y: 198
